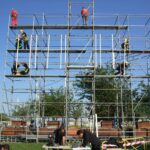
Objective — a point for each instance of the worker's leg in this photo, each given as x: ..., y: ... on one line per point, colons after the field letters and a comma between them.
x: 122, y: 71
x: 122, y: 46
x: 24, y: 44
x: 27, y: 45
x: 16, y: 45
x: 83, y: 19
x: 86, y: 17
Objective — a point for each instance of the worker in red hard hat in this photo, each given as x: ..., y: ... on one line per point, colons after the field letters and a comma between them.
x: 84, y: 13
x: 14, y: 17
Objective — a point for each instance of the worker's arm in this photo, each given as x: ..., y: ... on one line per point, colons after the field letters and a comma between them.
x: 63, y: 140
x: 85, y: 140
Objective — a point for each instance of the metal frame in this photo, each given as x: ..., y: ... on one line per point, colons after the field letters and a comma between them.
x: 98, y: 50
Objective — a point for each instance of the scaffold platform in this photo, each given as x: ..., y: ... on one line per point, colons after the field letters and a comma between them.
x: 76, y: 76
x: 96, y: 27
x: 45, y: 51
x: 146, y: 51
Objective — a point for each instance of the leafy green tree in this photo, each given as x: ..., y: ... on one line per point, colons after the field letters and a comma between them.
x: 4, y: 117
x: 75, y: 110
x: 24, y: 109
x: 54, y: 102
x: 142, y: 100
x: 107, y: 90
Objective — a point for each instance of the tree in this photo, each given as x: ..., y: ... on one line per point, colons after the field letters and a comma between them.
x: 54, y: 102
x: 24, y: 109
x: 4, y: 117
x: 75, y: 110
x: 106, y: 90
x: 142, y: 100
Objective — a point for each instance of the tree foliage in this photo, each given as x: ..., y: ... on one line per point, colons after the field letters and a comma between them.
x: 52, y: 103
x: 107, y: 91
x: 75, y: 110
x: 24, y: 109
x: 142, y: 100
x: 4, y: 117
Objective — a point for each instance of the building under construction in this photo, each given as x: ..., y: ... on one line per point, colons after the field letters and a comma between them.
x: 84, y: 60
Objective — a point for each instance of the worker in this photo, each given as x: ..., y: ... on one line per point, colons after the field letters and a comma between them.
x: 89, y: 137
x: 121, y: 67
x: 84, y: 14
x: 14, y: 17
x: 16, y: 68
x: 18, y: 43
x: 59, y: 135
x: 125, y: 45
x: 24, y: 37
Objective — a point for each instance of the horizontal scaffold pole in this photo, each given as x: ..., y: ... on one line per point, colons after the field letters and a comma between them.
x: 96, y: 27
x: 78, y: 51
x: 45, y: 51
x: 76, y: 76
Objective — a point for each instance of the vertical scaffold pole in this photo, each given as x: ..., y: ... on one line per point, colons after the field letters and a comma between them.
x: 65, y: 49
x: 61, y: 51
x: 113, y: 54
x: 42, y: 26
x: 17, y: 54
x: 30, y: 54
x: 36, y: 41
x: 90, y: 123
x: 33, y: 24
x: 122, y: 107
x: 48, y: 50
x: 94, y: 63
x: 67, y: 63
x: 95, y: 50
x: 100, y: 53
x: 124, y: 60
x: 96, y: 125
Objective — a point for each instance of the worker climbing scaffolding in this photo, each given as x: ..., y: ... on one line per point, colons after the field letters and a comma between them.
x: 24, y: 37
x: 125, y: 45
x: 121, y: 68
x: 17, y: 68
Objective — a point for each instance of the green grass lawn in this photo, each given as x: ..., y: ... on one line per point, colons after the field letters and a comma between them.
x: 26, y: 146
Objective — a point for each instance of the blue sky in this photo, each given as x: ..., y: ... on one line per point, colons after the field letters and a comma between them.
x: 60, y: 7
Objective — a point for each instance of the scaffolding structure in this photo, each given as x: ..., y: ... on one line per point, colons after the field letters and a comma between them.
x: 60, y: 52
